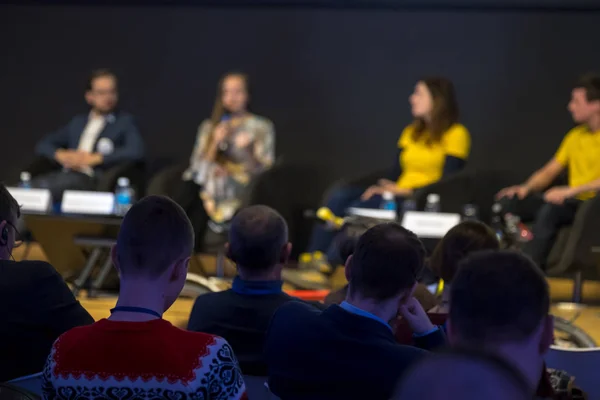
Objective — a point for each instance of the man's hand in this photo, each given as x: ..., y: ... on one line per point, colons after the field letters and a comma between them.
x: 521, y: 191
x: 558, y: 194
x: 415, y: 316
x: 370, y: 192
x: 85, y: 159
x: 66, y: 158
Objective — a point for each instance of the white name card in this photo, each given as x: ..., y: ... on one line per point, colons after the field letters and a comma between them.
x: 83, y: 202
x: 375, y: 213
x: 32, y: 200
x: 429, y: 225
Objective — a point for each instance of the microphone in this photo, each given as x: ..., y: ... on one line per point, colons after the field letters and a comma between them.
x: 224, y: 145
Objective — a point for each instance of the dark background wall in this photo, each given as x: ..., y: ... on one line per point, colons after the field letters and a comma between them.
x: 335, y: 81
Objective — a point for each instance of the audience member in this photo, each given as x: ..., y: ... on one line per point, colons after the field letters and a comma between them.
x: 433, y: 146
x: 258, y: 244
x: 499, y: 303
x: 464, y: 375
x: 578, y: 153
x: 36, y: 305
x: 231, y: 148
x: 92, y: 142
x: 135, y: 353
x: 349, y: 351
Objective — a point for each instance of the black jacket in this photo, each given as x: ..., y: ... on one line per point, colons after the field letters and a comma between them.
x: 36, y: 307
x: 335, y: 354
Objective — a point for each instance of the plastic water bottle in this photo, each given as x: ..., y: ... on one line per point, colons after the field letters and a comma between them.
x: 388, y: 202
x: 496, y: 223
x: 25, y: 180
x: 124, y: 196
x: 433, y: 203
x: 470, y: 212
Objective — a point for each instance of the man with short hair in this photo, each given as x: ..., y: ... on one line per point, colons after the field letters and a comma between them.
x: 464, y: 375
x: 349, y: 351
x: 136, y: 353
x: 499, y: 303
x: 36, y: 305
x: 553, y: 207
x: 90, y: 143
x: 258, y: 244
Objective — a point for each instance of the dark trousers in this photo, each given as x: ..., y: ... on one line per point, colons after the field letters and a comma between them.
x: 59, y: 181
x: 338, y: 202
x: 187, y: 195
x: 547, y: 220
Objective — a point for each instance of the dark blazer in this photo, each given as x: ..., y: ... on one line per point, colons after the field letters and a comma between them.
x: 120, y: 129
x: 36, y: 307
x: 334, y: 354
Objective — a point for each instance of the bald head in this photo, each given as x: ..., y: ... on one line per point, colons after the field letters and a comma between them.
x: 258, y: 238
x: 473, y: 377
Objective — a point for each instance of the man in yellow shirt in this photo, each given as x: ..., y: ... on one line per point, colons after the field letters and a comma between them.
x: 579, y: 153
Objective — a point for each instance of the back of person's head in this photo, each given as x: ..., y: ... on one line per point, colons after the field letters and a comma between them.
x: 460, y: 241
x: 386, y: 262
x: 474, y: 376
x: 258, y: 241
x: 155, y: 243
x: 498, y: 296
x: 9, y: 214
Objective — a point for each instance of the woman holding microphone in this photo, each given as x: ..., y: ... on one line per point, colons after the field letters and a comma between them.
x: 231, y: 148
x: 433, y: 146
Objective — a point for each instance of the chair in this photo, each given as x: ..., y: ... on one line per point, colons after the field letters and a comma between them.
x: 583, y: 364
x: 571, y: 254
x: 288, y: 188
x: 134, y: 170
x: 31, y: 383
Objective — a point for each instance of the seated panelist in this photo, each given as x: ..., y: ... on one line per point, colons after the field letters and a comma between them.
x: 90, y: 143
x: 231, y: 148
x: 433, y: 146
x: 579, y: 153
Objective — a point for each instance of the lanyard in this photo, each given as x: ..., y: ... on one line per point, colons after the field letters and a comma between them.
x: 140, y: 310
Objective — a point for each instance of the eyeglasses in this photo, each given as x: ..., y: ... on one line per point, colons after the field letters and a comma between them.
x: 18, y: 238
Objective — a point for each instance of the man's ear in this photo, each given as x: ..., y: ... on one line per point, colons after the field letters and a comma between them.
x: 115, y: 259
x: 547, y: 337
x: 407, y: 294
x: 180, y: 269
x: 285, y: 253
x: 347, y: 268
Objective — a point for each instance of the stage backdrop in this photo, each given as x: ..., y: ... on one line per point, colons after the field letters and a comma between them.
x: 335, y: 81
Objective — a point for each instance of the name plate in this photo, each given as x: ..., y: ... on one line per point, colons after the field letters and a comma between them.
x: 429, y: 225
x: 375, y: 213
x: 32, y: 200
x: 83, y: 202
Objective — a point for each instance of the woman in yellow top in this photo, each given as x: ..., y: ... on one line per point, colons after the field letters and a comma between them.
x: 433, y: 146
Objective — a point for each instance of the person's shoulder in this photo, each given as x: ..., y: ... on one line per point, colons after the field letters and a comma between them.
x: 209, y: 302
x: 72, y: 340
x: 576, y: 131
x: 295, y: 309
x: 33, y: 269
x: 457, y: 130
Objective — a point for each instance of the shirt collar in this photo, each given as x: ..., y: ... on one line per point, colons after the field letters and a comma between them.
x: 108, y: 118
x: 357, y: 311
x: 241, y: 286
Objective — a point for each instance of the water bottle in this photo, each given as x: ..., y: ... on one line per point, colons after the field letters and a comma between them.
x: 496, y: 223
x: 470, y: 212
x: 25, y: 180
x: 388, y: 202
x: 124, y: 196
x: 433, y: 203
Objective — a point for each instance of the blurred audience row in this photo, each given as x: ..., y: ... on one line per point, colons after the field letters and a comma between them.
x: 486, y: 337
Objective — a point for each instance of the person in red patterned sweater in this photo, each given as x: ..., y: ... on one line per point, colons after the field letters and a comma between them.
x: 135, y: 354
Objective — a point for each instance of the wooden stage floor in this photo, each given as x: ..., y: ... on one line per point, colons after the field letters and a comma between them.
x: 178, y: 314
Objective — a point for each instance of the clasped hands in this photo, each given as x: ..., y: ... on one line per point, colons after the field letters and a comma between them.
x: 385, y: 185
x: 76, y: 159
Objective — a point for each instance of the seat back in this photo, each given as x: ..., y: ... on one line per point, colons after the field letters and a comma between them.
x: 32, y: 383
x: 257, y: 388
x: 583, y: 364
x: 12, y: 392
